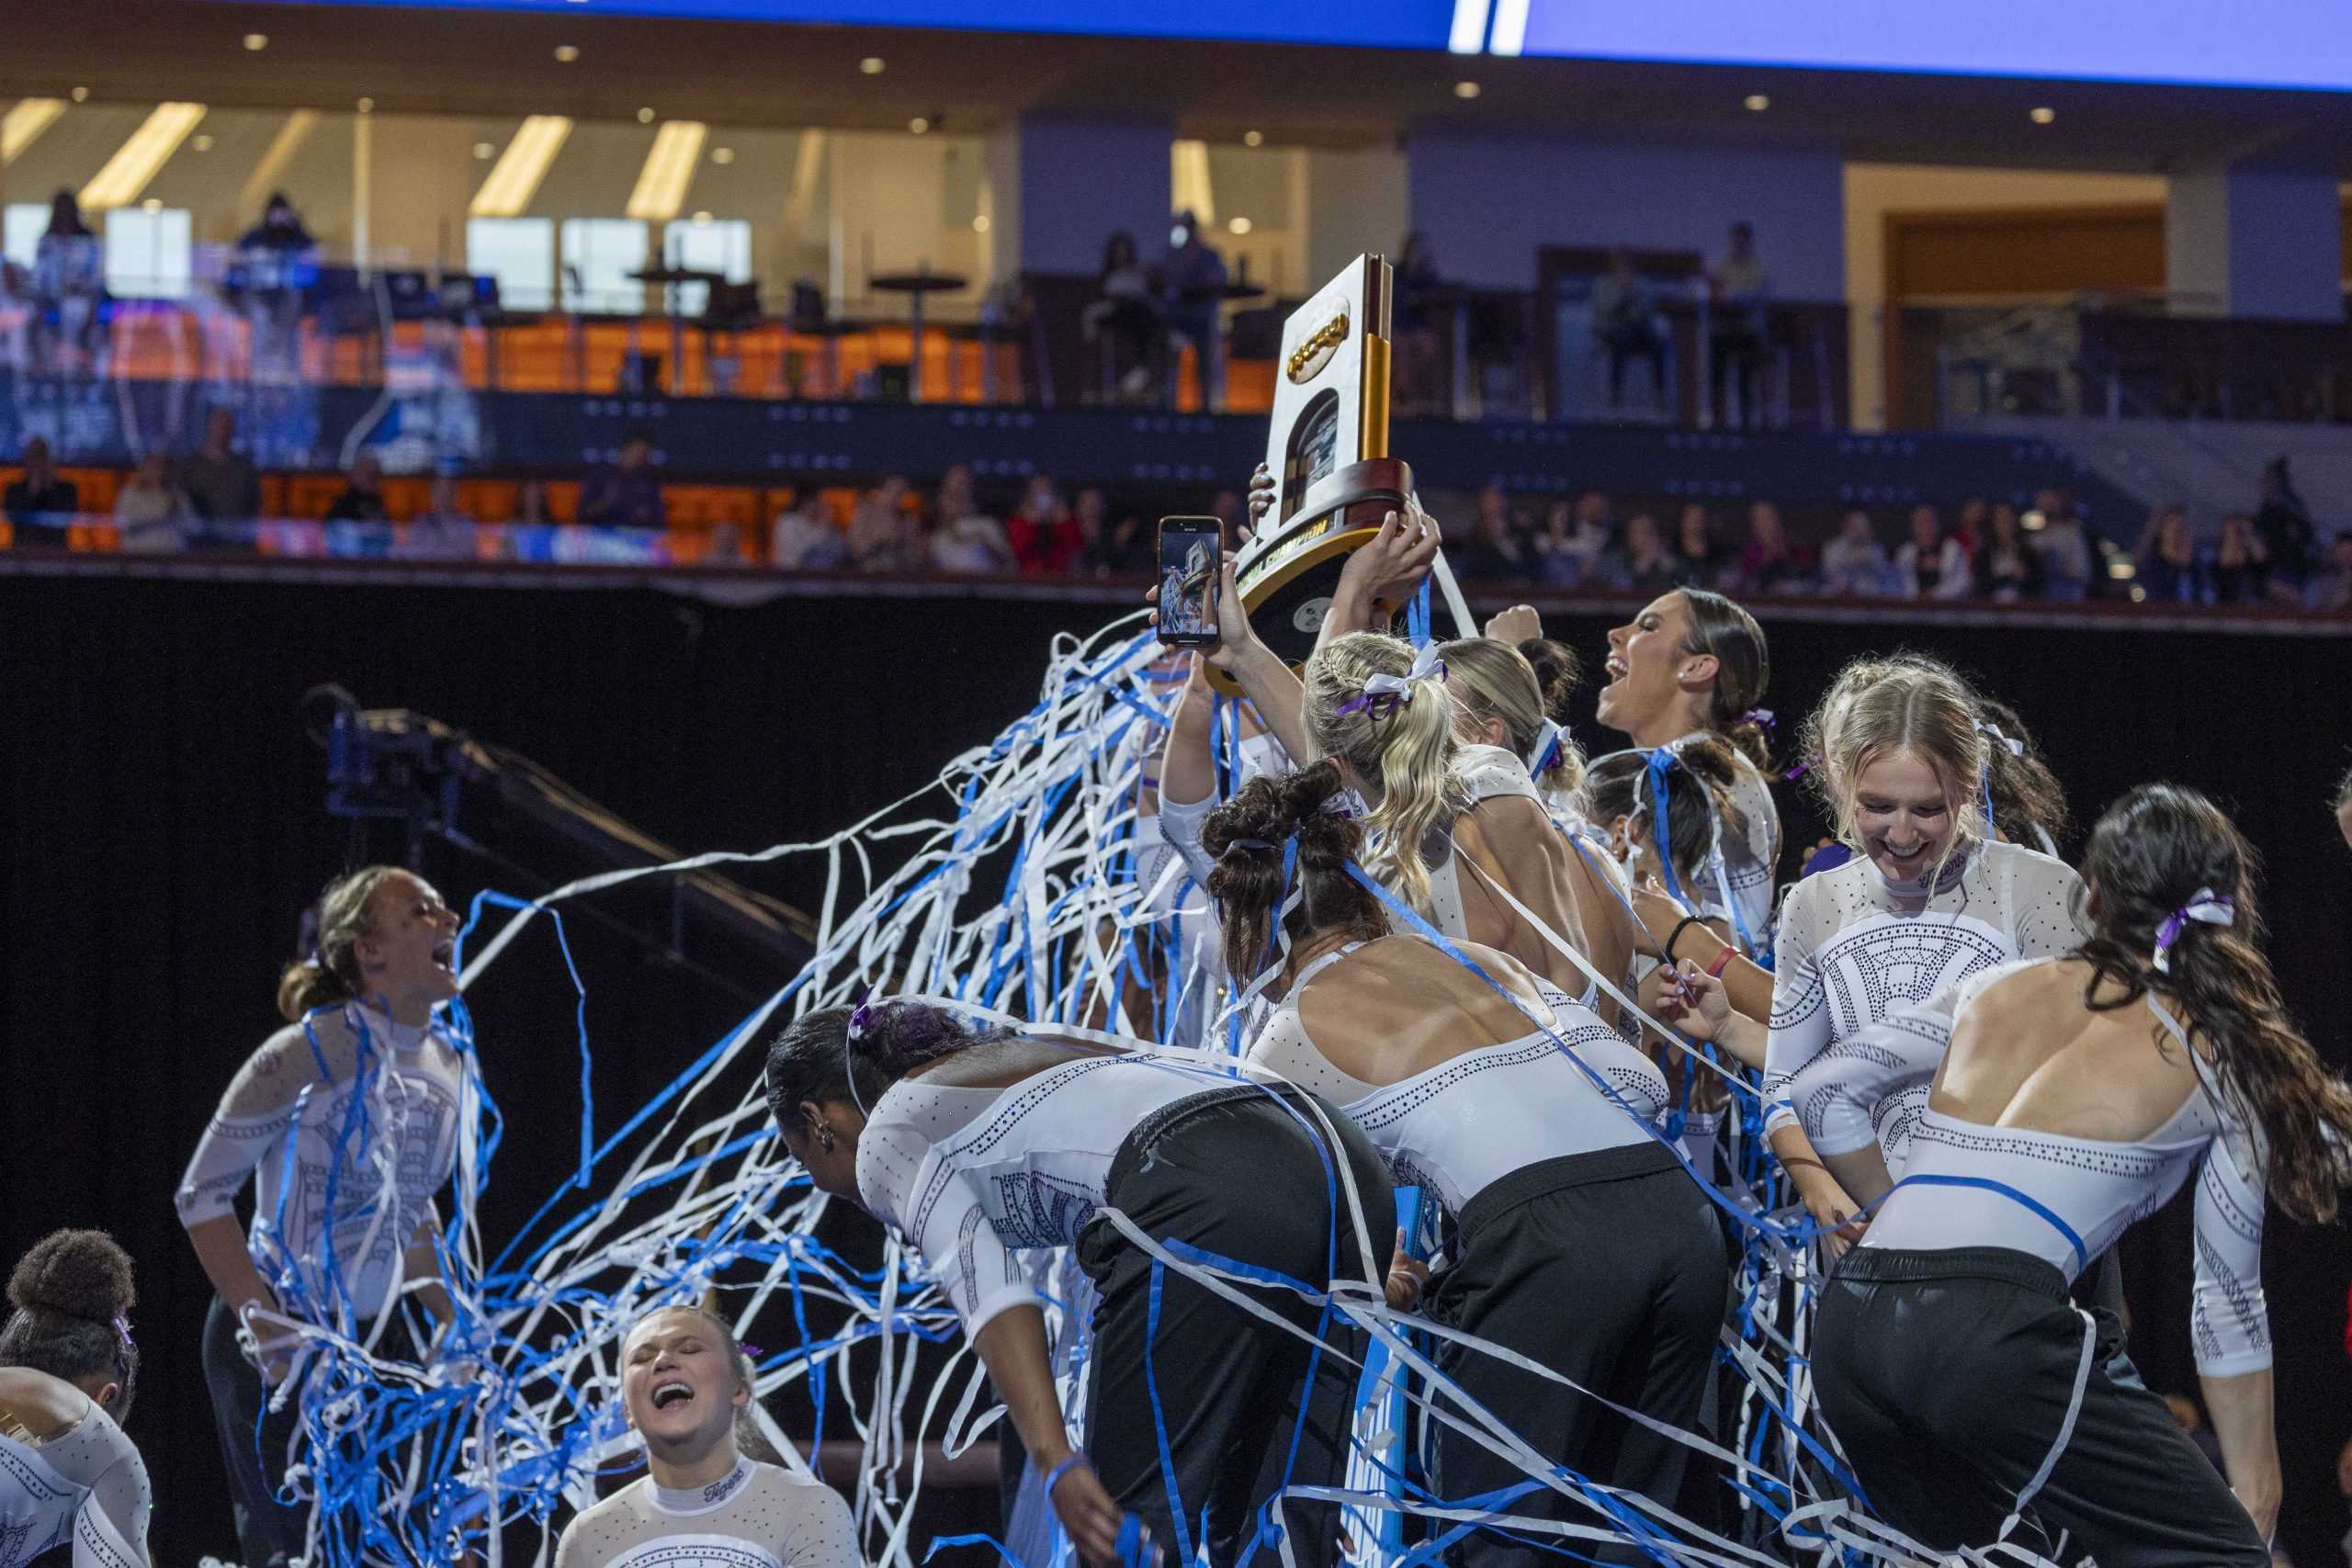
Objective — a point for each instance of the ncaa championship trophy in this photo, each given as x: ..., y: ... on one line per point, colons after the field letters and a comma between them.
x: 1328, y: 448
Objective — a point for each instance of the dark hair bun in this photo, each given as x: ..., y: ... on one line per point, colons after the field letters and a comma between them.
x: 1556, y: 674
x: 84, y: 1274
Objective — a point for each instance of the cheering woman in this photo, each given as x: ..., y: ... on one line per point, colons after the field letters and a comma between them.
x: 978, y: 1145
x: 2078, y: 1093
x: 67, y: 1372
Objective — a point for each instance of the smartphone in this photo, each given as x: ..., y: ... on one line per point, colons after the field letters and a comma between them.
x: 1191, y: 560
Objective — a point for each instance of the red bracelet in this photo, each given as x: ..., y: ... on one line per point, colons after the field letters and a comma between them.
x: 1723, y: 961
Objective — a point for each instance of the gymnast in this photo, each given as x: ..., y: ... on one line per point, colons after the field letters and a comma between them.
x: 979, y: 1145
x: 684, y: 1385
x: 2077, y: 1094
x: 68, y: 1368
x: 346, y: 1120
x: 1529, y: 1120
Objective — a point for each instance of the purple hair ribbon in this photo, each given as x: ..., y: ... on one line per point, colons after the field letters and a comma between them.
x: 2206, y: 908
x: 1382, y: 694
x: 1759, y: 716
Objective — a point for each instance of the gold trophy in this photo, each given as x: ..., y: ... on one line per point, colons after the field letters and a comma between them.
x: 1334, y: 480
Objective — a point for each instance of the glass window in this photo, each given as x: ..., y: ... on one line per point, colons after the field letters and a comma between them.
x: 520, y: 254
x: 148, y: 254
x: 708, y: 245
x: 27, y: 222
x: 599, y: 254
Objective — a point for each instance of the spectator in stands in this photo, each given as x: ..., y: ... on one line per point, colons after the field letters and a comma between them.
x: 878, y: 536
x: 279, y: 260
x: 1854, y: 562
x: 1493, y: 553
x: 222, y: 488
x: 2008, y: 569
x: 1736, y: 291
x: 1111, y: 549
x: 1232, y: 517
x: 967, y: 539
x: 1703, y: 559
x: 1561, y: 556
x: 2164, y: 564
x: 1771, y: 562
x: 69, y: 282
x: 362, y: 500
x: 149, y: 512
x: 1044, y: 537
x: 1928, y: 565
x: 1124, y: 323
x: 1974, y: 524
x: 1624, y: 321
x: 1645, y: 569
x: 2284, y: 523
x: 1193, y: 301
x: 2331, y: 590
x: 41, y: 505
x: 443, y: 531
x: 531, y: 506
x: 1412, y: 328
x: 2241, y: 571
x: 626, y: 495
x: 2064, y: 547
x: 805, y: 539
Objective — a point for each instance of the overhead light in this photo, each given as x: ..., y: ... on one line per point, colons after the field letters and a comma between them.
x: 1465, y: 89
x: 1252, y: 137
x: 81, y: 95
x: 1756, y: 103
x: 1468, y: 33
x: 366, y: 106
x: 2041, y: 116
x: 871, y: 65
x: 645, y: 117
x: 202, y: 143
x: 23, y: 122
x: 565, y: 53
x: 153, y: 204
x: 669, y: 170
x: 484, y: 151
x: 1509, y: 36
x: 256, y: 42
x: 135, y: 161
x: 980, y: 223
x: 917, y: 125
x: 515, y: 178
x: 702, y: 220
x: 722, y: 155
x: 1239, y: 225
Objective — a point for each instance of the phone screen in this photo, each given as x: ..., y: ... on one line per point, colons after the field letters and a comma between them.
x: 1190, y: 564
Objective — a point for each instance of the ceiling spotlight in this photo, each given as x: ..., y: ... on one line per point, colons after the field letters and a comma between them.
x: 484, y: 151
x: 153, y: 204
x: 980, y: 223
x: 871, y: 65
x: 722, y: 154
x: 366, y: 106
x: 1756, y: 103
x: 202, y: 144
x: 917, y: 125
x: 1465, y: 89
x: 81, y: 95
x: 1239, y: 225
x: 645, y: 117
x: 702, y: 220
x: 256, y: 42
x: 1252, y: 137
x: 565, y: 53
x: 2041, y: 116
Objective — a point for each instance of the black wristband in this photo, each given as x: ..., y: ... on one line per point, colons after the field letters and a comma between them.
x: 1676, y: 934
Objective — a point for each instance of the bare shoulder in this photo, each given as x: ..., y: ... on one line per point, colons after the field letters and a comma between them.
x: 38, y: 1401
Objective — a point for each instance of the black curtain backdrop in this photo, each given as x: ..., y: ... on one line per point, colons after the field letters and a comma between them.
x: 166, y: 827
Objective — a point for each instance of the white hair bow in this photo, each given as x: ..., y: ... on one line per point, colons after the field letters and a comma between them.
x: 1426, y: 666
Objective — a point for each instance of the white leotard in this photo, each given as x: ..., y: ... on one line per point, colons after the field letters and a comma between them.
x: 1748, y: 859
x: 1470, y: 1121
x: 757, y: 1515
x: 1853, y: 948
x: 291, y: 1119
x: 88, y: 1485
x: 2062, y: 1199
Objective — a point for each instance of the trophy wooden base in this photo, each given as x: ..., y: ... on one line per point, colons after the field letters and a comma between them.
x: 1288, y: 573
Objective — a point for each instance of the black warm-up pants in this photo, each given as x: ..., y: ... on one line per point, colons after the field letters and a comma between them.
x: 1608, y: 1268
x: 1243, y: 1407
x: 1948, y: 1376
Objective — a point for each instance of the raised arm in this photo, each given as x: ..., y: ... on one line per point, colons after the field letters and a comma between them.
x: 1389, y: 569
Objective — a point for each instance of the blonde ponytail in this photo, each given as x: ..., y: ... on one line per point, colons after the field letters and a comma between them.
x: 1406, y: 751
